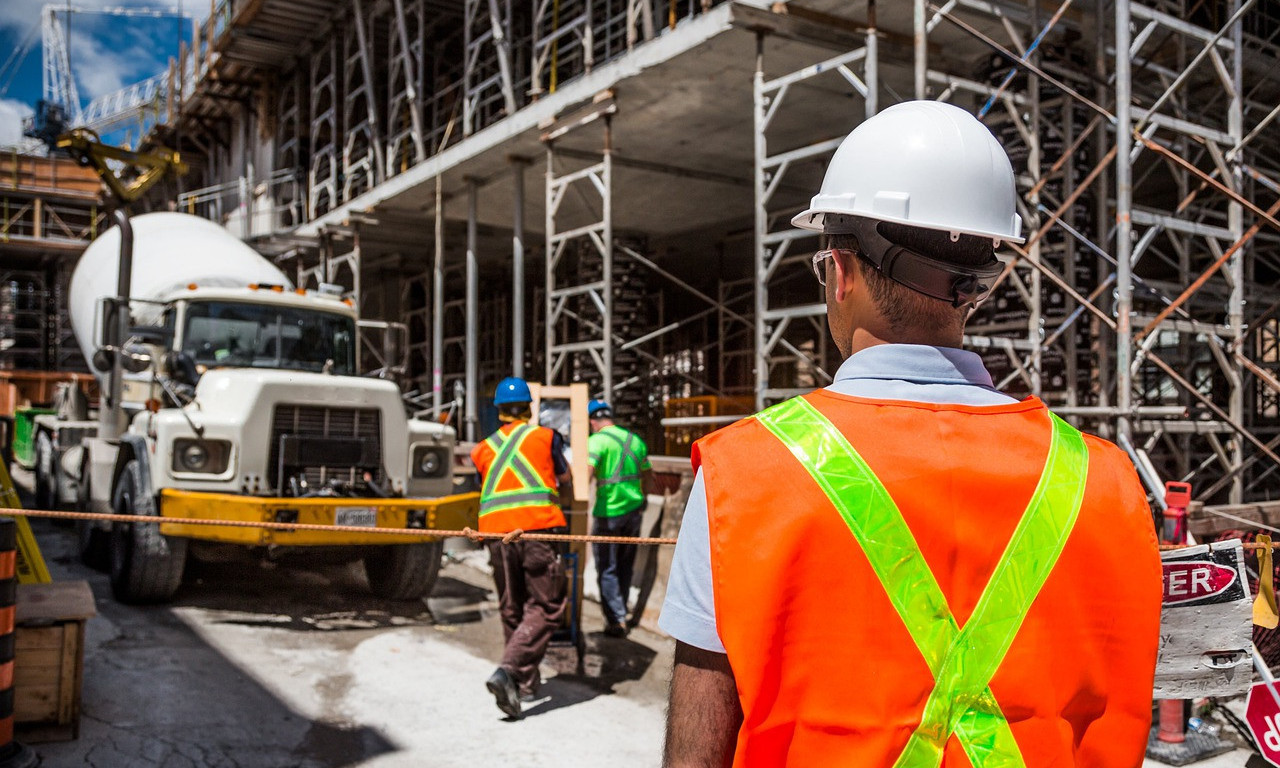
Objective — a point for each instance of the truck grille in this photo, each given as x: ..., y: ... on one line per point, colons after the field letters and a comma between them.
x: 318, y: 421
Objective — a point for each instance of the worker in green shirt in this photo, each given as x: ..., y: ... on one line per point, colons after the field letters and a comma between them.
x: 620, y: 466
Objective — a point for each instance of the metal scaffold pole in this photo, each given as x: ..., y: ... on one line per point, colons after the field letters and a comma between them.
x: 1235, y: 223
x: 1124, y: 224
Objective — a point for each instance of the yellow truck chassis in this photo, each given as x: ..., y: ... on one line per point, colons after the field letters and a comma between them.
x: 447, y: 513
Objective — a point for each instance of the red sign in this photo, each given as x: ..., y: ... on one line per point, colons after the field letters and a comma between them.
x: 1263, y: 713
x: 1188, y: 580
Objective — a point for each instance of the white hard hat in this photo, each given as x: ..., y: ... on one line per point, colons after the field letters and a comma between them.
x: 924, y: 164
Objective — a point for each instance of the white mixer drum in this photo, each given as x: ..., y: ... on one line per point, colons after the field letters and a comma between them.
x: 170, y: 251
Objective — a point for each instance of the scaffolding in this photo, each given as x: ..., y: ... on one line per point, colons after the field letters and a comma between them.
x: 50, y: 209
x: 1144, y: 304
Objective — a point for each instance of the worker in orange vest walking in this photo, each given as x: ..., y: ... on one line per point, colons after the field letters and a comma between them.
x: 521, y: 469
x: 909, y: 568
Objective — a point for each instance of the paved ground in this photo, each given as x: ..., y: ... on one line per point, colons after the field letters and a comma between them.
x: 262, y: 666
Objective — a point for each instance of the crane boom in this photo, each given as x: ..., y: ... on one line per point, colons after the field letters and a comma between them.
x: 59, y: 84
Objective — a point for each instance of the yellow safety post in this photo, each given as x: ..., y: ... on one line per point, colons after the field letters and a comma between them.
x: 31, y: 567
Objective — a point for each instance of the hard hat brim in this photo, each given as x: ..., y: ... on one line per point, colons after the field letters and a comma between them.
x: 814, y: 219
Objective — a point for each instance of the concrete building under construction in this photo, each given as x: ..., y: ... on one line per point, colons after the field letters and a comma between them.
x: 601, y: 190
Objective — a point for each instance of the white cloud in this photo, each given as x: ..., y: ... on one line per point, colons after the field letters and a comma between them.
x: 11, y: 114
x: 108, y: 54
x: 99, y: 69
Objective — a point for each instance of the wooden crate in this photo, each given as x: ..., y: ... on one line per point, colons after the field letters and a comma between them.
x: 49, y: 659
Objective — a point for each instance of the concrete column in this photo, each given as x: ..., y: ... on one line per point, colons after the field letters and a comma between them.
x: 473, y: 314
x: 518, y: 165
x: 437, y: 306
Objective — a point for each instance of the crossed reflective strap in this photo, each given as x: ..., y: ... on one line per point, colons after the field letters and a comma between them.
x: 509, y: 458
x: 617, y: 476
x: 962, y: 660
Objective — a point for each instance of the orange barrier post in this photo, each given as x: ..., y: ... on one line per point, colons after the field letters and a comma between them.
x: 12, y: 754
x: 1177, y: 497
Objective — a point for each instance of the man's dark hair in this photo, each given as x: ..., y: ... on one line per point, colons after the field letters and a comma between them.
x: 902, y: 306
x: 515, y: 410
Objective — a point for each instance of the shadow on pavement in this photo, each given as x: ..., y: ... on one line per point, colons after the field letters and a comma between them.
x: 156, y: 692
x: 454, y: 601
x: 608, y: 661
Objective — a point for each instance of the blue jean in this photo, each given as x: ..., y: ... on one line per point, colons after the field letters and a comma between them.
x: 615, y: 562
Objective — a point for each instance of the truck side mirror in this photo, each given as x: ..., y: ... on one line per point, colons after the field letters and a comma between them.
x: 135, y: 359
x: 103, y: 358
x: 182, y: 368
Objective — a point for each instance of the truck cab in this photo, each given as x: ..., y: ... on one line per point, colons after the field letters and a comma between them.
x: 243, y: 403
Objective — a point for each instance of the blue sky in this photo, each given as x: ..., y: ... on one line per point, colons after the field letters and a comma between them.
x: 107, y: 52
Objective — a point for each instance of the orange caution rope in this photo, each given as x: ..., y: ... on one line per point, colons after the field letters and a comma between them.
x: 424, y: 532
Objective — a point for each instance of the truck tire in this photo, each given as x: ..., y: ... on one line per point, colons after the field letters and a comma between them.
x: 403, y: 571
x: 146, y: 566
x: 92, y: 538
x: 46, y: 472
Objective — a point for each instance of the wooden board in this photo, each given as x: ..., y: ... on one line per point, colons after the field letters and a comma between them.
x: 28, y: 173
x: 1206, y: 522
x: 53, y: 602
x: 21, y: 388
x: 1205, y: 635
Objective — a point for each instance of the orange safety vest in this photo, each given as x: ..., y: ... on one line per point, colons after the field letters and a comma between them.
x: 827, y: 671
x: 518, y: 480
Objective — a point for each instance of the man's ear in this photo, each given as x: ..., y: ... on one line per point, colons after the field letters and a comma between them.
x: 844, y: 269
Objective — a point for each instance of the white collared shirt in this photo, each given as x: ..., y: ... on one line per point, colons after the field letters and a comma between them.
x: 910, y: 372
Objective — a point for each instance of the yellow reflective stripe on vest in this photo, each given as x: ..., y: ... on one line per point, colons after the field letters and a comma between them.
x: 962, y: 661
x: 617, y: 476
x: 532, y: 490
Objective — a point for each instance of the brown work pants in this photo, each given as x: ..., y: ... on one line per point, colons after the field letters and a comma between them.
x: 532, y: 598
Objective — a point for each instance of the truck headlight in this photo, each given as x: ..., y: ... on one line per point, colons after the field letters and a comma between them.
x: 205, y: 457
x: 430, y: 462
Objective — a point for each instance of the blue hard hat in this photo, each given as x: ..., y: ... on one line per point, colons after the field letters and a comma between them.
x: 595, y: 406
x: 512, y: 390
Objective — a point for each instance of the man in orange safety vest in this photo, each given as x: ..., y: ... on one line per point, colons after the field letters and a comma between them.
x: 910, y: 568
x: 521, y: 468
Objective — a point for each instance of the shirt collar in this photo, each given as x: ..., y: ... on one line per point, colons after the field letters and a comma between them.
x: 917, y: 363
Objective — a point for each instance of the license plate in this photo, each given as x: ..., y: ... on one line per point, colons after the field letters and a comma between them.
x: 365, y: 517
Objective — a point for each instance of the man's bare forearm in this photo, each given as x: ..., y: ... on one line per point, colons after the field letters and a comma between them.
x: 703, y: 715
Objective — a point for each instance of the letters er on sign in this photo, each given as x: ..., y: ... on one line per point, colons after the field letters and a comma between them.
x: 1206, y: 626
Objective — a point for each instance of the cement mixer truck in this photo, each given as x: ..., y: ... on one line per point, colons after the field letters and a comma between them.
x: 238, y: 399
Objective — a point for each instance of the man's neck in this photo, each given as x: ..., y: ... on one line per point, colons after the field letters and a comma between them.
x: 865, y: 339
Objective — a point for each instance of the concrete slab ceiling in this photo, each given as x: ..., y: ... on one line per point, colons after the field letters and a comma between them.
x: 682, y: 135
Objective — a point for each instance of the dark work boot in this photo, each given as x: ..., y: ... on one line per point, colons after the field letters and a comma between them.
x: 504, y: 692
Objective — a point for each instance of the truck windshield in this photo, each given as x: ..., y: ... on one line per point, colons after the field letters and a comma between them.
x: 240, y: 335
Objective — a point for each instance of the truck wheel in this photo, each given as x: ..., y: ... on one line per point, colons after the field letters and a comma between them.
x: 46, y: 490
x: 403, y: 571
x: 146, y: 566
x: 92, y: 538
